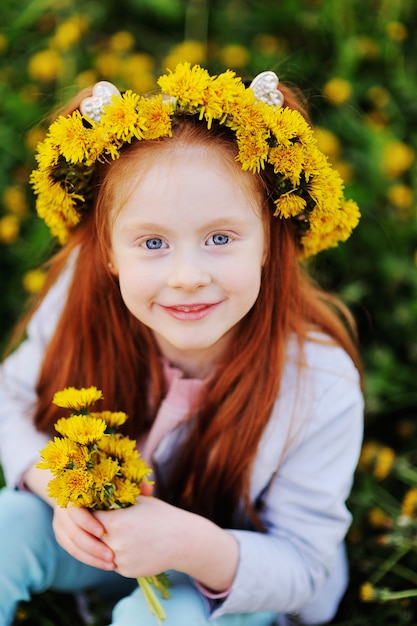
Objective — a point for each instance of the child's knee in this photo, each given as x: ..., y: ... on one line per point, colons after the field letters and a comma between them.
x: 22, y: 511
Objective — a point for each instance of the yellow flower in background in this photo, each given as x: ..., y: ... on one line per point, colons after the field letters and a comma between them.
x: 108, y: 65
x: 327, y: 142
x: 34, y: 136
x: 409, y: 503
x: 33, y: 281
x: 15, y: 201
x: 377, y: 458
x: 337, y: 90
x: 345, y: 170
x: 9, y: 229
x: 46, y: 66
x: 269, y: 44
x: 234, y: 56
x: 367, y: 592
x: 401, y: 196
x: 86, y: 78
x: 367, y: 47
x: 122, y: 41
x: 397, y: 158
x: 379, y: 96
x: 189, y: 51
x: 379, y: 519
x: 137, y: 70
x: 69, y: 32
x: 397, y: 31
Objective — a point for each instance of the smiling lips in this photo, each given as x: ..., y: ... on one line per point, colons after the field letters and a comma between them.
x: 190, y: 312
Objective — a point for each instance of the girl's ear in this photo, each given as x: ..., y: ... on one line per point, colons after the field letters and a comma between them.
x: 112, y: 267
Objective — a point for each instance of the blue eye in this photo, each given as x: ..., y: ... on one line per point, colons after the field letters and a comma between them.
x: 219, y: 239
x: 154, y: 244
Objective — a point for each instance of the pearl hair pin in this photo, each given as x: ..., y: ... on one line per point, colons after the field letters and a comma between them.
x: 102, y: 94
x: 265, y: 88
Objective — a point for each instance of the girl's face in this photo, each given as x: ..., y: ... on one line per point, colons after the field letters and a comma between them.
x: 188, y: 248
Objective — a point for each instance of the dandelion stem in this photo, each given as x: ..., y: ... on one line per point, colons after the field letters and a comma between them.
x: 152, y: 601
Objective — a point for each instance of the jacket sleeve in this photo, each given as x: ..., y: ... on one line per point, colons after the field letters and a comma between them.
x: 20, y: 441
x: 305, y: 515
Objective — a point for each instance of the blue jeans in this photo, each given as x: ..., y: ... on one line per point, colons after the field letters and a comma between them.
x: 31, y: 561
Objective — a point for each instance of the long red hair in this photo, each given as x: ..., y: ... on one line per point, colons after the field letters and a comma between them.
x: 98, y: 342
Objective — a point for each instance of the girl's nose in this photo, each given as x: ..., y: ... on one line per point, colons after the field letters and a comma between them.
x: 188, y: 272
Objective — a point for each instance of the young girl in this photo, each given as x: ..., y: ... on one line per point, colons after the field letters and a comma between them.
x: 180, y: 292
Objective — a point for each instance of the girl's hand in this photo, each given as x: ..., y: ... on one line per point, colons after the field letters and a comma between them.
x: 80, y: 534
x: 154, y: 536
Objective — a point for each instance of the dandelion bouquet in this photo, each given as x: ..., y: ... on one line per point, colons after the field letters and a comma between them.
x: 96, y: 467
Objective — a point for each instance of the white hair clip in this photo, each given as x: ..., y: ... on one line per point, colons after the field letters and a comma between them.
x: 265, y: 88
x: 92, y: 107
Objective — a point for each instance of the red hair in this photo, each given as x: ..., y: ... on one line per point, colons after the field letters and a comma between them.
x: 98, y: 342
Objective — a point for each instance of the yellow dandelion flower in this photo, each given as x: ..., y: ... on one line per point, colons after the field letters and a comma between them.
x: 47, y: 155
x: 367, y: 592
x: 349, y: 215
x: 71, y: 136
x: 187, y: 84
x: 77, y: 399
x: 157, y: 114
x: 125, y: 492
x: 70, y: 486
x: 288, y: 161
x: 289, y: 205
x: 112, y: 418
x: 253, y: 150
x: 103, y: 473
x: 409, y: 503
x: 288, y: 125
x: 119, y: 447
x: 58, y: 455
x: 82, y: 429
x: 325, y: 187
x: 121, y: 117
x: 76, y: 482
x: 223, y: 98
x: 136, y: 470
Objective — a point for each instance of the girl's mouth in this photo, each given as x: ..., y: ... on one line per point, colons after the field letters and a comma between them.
x: 190, y: 312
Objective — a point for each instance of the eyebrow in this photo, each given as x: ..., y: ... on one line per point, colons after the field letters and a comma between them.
x: 159, y: 227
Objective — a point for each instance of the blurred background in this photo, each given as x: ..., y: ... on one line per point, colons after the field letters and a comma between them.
x: 356, y: 63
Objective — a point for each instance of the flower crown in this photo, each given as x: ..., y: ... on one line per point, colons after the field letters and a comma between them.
x: 307, y: 189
